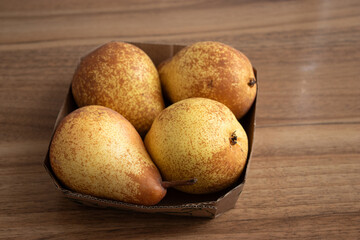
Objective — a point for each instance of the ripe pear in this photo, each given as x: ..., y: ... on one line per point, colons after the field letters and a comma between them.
x: 198, y: 138
x: 96, y: 151
x: 122, y: 77
x: 210, y: 70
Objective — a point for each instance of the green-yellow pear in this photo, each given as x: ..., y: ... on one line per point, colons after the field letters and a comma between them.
x: 198, y: 138
x: 210, y: 70
x: 98, y: 152
x: 122, y: 77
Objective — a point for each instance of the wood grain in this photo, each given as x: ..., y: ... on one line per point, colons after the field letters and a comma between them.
x: 304, y: 179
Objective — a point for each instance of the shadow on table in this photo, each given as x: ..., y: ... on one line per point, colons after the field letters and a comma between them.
x: 93, y: 222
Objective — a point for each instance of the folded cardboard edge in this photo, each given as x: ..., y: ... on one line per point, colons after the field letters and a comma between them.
x: 191, y: 209
x: 209, y: 209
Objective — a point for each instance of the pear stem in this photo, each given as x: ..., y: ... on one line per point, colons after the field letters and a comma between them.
x: 233, y: 138
x: 252, y: 82
x: 167, y: 184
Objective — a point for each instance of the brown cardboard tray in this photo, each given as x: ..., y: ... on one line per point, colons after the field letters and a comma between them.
x: 175, y: 202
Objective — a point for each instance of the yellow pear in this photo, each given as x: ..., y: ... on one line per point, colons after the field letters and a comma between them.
x: 122, y: 77
x: 198, y: 138
x: 98, y: 152
x: 210, y: 70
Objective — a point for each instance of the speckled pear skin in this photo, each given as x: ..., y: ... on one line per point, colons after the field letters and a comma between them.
x: 122, y: 77
x: 98, y: 152
x: 191, y: 138
x: 210, y: 70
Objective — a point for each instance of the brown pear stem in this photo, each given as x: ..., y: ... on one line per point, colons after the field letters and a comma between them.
x: 167, y: 184
x: 252, y: 82
x: 233, y: 138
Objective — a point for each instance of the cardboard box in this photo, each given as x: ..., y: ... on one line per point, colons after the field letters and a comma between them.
x: 175, y: 202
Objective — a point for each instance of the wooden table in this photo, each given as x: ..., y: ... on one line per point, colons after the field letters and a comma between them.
x: 304, y: 180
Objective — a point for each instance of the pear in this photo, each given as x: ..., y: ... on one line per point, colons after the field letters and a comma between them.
x: 122, y: 77
x: 210, y: 70
x: 198, y: 138
x: 96, y: 151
